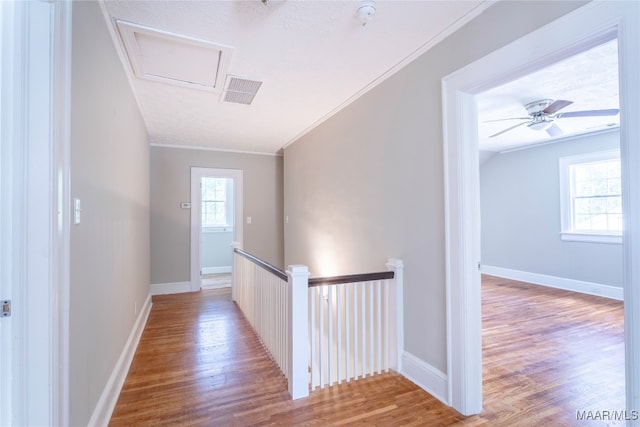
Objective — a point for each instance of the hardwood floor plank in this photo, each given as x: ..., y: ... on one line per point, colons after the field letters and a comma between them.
x: 547, y: 353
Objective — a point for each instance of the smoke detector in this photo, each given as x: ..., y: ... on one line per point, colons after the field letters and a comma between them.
x: 366, y: 12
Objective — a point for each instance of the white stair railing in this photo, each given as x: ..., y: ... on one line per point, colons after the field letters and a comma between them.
x: 274, y: 302
x: 355, y: 326
x: 322, y: 331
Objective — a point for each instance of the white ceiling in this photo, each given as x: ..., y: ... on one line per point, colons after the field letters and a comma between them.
x: 313, y: 57
x: 589, y: 79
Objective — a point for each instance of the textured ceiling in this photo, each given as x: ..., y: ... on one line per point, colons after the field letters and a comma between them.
x: 313, y: 58
x: 589, y: 79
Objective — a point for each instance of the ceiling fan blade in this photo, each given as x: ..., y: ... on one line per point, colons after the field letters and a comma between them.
x: 589, y: 113
x: 508, y: 129
x: 554, y: 130
x: 556, y: 106
x: 510, y: 118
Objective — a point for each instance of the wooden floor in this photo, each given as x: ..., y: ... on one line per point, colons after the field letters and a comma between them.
x: 547, y: 354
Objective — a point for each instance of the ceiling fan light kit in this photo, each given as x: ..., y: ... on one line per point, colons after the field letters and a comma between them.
x: 541, y: 125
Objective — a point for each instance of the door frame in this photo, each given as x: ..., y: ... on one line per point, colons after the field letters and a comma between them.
x: 35, y: 85
x: 581, y: 28
x: 197, y: 173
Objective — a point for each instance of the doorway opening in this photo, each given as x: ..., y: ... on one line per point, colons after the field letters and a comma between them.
x: 584, y: 28
x: 532, y: 239
x: 216, y: 222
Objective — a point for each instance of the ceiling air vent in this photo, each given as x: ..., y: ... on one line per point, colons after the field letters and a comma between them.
x: 240, y: 91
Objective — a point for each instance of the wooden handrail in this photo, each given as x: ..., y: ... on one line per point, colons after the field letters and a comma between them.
x: 318, y: 281
x: 352, y: 278
x: 265, y: 265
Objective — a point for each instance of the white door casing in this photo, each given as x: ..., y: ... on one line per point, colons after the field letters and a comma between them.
x: 581, y: 29
x: 197, y: 173
x: 34, y: 162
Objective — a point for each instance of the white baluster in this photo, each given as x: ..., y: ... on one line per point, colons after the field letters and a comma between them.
x: 347, y: 313
x: 379, y: 326
x: 386, y: 344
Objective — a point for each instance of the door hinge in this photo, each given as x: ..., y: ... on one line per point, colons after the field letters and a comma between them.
x: 6, y: 308
x: 479, y: 266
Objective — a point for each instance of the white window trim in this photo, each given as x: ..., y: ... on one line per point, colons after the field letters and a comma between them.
x: 567, y: 234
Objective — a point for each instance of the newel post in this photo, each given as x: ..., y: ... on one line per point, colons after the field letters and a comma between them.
x: 298, y: 331
x: 234, y: 272
x: 397, y: 266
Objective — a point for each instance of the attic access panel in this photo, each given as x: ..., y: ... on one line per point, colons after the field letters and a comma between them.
x: 175, y: 59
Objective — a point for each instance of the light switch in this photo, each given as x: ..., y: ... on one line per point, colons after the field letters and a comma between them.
x: 76, y: 211
x: 248, y: 220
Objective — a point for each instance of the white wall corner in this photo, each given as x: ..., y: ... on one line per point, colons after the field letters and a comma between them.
x: 109, y: 397
x: 169, y: 288
x: 590, y: 288
x: 425, y: 376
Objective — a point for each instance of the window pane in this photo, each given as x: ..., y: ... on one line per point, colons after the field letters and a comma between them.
x: 598, y: 206
x: 614, y: 186
x: 582, y: 222
x: 584, y: 188
x: 580, y: 174
x: 600, y: 187
x: 582, y: 206
x: 599, y: 222
x: 614, y: 205
x: 613, y: 169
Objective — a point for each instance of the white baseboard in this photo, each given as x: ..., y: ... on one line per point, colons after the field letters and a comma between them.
x: 209, y: 287
x: 590, y: 288
x: 109, y: 397
x: 170, y: 288
x: 216, y: 270
x: 425, y: 376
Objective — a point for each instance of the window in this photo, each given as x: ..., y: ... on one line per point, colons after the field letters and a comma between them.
x: 217, y: 203
x: 591, y: 197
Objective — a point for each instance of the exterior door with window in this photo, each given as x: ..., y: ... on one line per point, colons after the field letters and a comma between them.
x: 217, y: 225
x: 216, y: 216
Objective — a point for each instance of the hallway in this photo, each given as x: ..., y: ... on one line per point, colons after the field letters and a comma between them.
x: 547, y: 354
x: 199, y: 363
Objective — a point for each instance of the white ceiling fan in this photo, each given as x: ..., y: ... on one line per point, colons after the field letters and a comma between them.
x: 544, y: 112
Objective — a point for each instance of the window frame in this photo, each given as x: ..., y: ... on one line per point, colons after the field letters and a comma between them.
x: 567, y: 232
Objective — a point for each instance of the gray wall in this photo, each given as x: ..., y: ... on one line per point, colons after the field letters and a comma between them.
x: 215, y: 250
x: 170, y: 225
x: 110, y: 175
x: 368, y: 183
x: 520, y: 202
